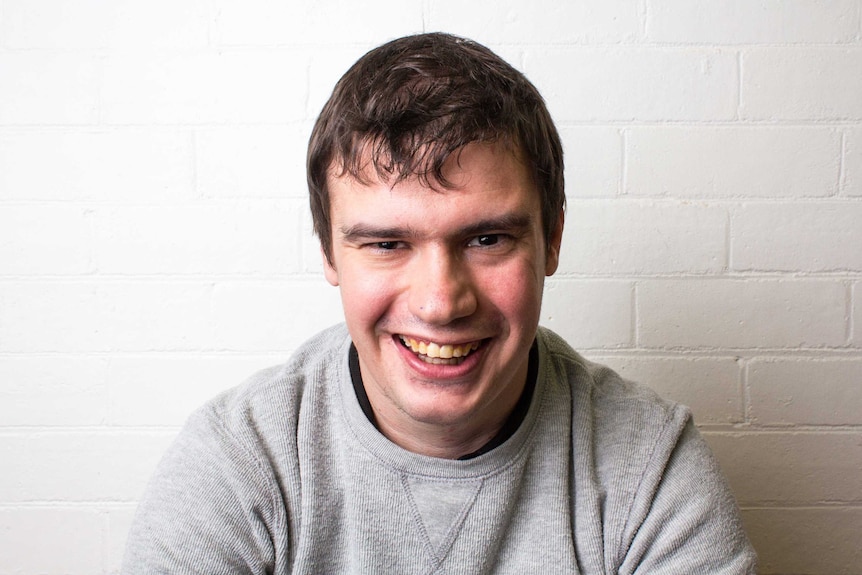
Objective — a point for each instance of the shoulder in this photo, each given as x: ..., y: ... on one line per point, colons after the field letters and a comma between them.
x: 639, y: 460
x: 248, y: 434
x: 274, y: 396
x: 229, y: 481
x: 623, y: 433
x: 614, y: 406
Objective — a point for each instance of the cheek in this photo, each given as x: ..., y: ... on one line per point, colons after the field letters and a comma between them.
x: 366, y: 297
x: 516, y: 292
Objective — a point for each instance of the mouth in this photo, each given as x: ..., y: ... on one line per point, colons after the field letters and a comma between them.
x: 440, y: 353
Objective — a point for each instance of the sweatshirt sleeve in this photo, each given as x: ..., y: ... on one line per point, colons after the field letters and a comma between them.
x: 208, y: 509
x: 684, y: 518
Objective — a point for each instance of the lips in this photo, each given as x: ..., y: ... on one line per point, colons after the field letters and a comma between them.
x: 439, y: 353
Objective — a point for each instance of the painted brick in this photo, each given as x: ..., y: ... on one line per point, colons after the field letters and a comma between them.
x: 44, y: 239
x: 86, y: 316
x: 252, y: 162
x: 734, y: 161
x: 807, y: 541
x: 589, y: 314
x: 801, y: 84
x: 51, y: 540
x: 93, y: 24
x: 512, y: 21
x: 741, y: 22
x: 797, y: 237
x: 593, y: 157
x: 626, y: 237
x: 806, y: 392
x: 856, y: 334
x: 852, y: 181
x: 273, y: 316
x: 228, y: 237
x: 709, y: 386
x: 617, y: 83
x: 790, y: 468
x: 262, y: 22
x: 31, y: 81
x: 119, y: 525
x: 79, y: 465
x: 124, y: 165
x: 53, y: 390
x: 741, y: 313
x: 164, y: 390
x: 205, y: 87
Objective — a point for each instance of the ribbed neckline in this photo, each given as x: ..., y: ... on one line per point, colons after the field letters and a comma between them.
x: 390, y: 454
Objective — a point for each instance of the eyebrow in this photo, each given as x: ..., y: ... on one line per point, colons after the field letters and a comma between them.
x: 359, y: 232
x: 512, y: 223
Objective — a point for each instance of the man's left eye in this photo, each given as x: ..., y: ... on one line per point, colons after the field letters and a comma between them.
x: 388, y: 245
x: 485, y: 240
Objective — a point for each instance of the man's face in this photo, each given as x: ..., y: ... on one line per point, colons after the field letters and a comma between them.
x: 442, y: 288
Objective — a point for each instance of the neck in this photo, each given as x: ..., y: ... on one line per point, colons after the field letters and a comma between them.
x: 451, y: 441
x: 476, y: 431
x: 436, y: 435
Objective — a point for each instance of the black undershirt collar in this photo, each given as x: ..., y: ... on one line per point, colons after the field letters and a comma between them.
x: 509, y: 426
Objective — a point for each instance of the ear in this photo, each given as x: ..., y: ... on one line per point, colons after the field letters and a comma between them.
x: 552, y: 258
x: 329, y: 270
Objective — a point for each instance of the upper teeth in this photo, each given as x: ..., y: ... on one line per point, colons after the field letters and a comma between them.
x: 444, y: 351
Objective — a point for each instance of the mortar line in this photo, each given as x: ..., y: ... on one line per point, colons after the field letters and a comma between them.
x: 840, y: 188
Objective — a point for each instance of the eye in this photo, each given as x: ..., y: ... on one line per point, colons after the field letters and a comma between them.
x: 390, y: 245
x: 486, y: 240
x: 385, y: 246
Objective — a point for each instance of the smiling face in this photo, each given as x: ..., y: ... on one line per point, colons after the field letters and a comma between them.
x: 442, y: 290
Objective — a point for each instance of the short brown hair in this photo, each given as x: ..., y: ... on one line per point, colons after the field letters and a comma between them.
x: 409, y: 104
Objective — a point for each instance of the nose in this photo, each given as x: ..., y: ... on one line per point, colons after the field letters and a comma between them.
x: 441, y: 288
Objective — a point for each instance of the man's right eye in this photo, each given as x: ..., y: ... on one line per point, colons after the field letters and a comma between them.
x: 390, y: 245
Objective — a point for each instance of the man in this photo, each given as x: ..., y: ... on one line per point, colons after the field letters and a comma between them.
x: 440, y: 431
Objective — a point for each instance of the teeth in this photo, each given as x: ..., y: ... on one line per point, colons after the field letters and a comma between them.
x: 435, y: 351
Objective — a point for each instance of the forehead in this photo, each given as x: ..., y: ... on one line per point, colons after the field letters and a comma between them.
x: 481, y: 177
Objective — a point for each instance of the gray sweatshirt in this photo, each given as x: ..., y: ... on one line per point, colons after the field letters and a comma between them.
x: 286, y: 474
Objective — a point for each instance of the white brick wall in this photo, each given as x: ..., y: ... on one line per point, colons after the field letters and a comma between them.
x: 802, y: 84
x: 852, y: 182
x: 74, y: 164
x: 744, y: 22
x: 549, y: 21
x: 155, y: 244
x: 732, y: 161
x: 630, y: 82
x: 695, y: 313
x: 797, y: 391
x: 796, y: 236
x: 30, y: 98
x: 596, y: 246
